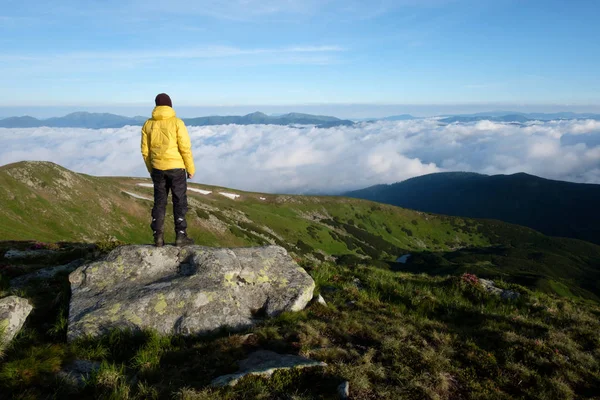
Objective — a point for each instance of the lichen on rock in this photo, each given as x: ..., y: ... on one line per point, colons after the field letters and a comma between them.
x: 13, y: 313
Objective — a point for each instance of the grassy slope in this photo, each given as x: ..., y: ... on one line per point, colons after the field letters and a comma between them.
x: 394, y: 335
x: 48, y: 203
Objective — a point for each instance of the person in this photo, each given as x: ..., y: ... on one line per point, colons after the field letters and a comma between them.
x: 167, y: 152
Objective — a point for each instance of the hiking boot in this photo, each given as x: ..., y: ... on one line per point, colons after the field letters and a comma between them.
x: 182, y: 239
x: 159, y: 240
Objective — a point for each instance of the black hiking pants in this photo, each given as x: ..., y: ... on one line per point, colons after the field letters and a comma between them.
x: 174, y: 180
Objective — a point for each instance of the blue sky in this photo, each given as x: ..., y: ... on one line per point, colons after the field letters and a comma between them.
x: 211, y: 53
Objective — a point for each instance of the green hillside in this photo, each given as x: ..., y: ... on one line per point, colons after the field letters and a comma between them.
x: 552, y: 207
x: 45, y: 202
x: 415, y: 330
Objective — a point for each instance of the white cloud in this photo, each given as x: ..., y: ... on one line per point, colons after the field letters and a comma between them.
x: 544, y: 149
x: 586, y: 127
x: 306, y: 159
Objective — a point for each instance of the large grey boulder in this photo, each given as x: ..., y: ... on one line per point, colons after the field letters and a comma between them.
x: 13, y: 313
x: 264, y: 363
x: 189, y: 290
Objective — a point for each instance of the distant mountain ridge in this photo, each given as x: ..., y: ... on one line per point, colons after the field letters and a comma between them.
x: 517, y: 117
x: 89, y: 120
x: 80, y: 119
x: 261, y: 118
x: 401, y: 117
x: 494, y: 116
x: 105, y: 120
x: 514, y: 118
x: 554, y: 208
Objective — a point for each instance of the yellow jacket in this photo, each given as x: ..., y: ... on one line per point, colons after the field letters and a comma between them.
x: 166, y: 142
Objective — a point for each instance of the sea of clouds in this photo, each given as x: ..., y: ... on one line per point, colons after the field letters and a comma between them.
x: 288, y: 159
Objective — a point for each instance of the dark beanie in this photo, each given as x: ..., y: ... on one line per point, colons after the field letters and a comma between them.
x: 163, y: 99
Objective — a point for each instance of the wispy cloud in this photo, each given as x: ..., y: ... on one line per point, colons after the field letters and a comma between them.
x: 234, y: 10
x: 89, y: 61
x: 292, y: 159
x: 189, y: 53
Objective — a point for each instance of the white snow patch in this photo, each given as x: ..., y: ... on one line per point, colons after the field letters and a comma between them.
x: 151, y: 185
x: 403, y: 259
x: 137, y: 196
x: 230, y: 195
x: 200, y: 191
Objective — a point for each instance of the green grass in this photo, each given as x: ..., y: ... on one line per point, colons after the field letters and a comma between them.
x: 565, y: 267
x: 392, y: 335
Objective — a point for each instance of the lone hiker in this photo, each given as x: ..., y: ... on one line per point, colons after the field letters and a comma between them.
x: 167, y: 152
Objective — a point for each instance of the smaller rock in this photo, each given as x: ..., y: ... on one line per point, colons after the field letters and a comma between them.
x: 265, y: 363
x: 46, y: 273
x: 319, y: 299
x: 344, y: 390
x: 490, y: 286
x: 78, y: 371
x: 13, y: 313
x: 27, y: 254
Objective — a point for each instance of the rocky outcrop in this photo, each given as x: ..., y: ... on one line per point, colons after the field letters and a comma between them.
x: 265, y: 363
x: 189, y: 290
x: 13, y: 313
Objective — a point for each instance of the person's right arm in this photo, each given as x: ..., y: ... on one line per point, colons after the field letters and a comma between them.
x: 146, y: 147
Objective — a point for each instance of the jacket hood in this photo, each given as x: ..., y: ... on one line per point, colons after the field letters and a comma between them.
x: 163, y: 112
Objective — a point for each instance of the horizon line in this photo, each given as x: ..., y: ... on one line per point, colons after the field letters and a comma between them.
x: 301, y: 104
